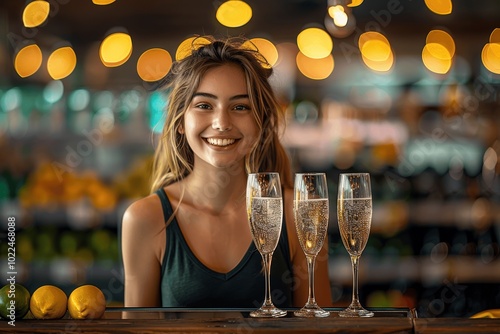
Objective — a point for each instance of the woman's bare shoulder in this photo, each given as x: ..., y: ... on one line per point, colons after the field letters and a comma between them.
x: 142, y: 245
x: 147, y: 210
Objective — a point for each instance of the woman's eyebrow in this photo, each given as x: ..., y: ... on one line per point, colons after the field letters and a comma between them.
x: 238, y: 97
x: 212, y: 96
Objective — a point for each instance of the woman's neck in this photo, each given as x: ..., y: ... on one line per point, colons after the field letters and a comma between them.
x: 215, y: 189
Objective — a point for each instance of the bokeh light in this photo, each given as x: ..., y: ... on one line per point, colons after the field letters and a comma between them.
x: 115, y: 49
x: 154, y: 64
x: 234, y: 13
x: 316, y: 69
x: 338, y: 14
x: 439, y: 65
x: 103, y: 2
x: 340, y: 32
x: 438, y: 52
x: 54, y: 91
x: 443, y: 38
x: 79, y: 99
x: 355, y: 3
x: 440, y: 7
x: 187, y: 46
x: 495, y: 36
x: 11, y: 99
x: 35, y: 13
x: 315, y: 43
x: 376, y: 51
x: 379, y: 66
x: 28, y: 60
x: 157, y: 105
x: 61, y: 63
x: 265, y: 47
x: 490, y: 57
x: 490, y: 159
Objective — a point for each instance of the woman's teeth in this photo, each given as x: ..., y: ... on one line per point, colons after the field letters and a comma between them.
x: 220, y: 142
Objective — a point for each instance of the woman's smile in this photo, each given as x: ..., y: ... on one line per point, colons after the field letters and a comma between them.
x: 221, y: 142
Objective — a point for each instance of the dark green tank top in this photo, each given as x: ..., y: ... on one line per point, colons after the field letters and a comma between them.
x: 186, y: 282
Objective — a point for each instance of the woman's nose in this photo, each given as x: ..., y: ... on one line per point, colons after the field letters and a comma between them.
x: 222, y: 121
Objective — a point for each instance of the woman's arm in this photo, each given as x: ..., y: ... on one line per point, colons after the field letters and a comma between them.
x: 322, y: 287
x: 141, y: 252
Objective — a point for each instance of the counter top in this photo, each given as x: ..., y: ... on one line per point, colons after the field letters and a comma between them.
x: 161, y: 320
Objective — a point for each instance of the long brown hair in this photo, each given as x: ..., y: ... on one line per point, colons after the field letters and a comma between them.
x: 173, y: 159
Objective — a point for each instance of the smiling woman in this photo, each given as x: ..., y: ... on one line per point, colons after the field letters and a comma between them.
x: 220, y: 115
x: 188, y: 244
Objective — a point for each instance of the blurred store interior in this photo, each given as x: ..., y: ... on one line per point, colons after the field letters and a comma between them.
x: 409, y: 91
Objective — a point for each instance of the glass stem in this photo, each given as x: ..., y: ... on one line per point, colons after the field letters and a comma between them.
x: 310, y: 270
x: 355, y: 296
x: 267, y: 258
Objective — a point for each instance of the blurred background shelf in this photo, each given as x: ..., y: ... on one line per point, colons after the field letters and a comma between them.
x: 385, y: 270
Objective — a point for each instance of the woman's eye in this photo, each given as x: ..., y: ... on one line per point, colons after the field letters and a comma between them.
x: 203, y: 106
x: 241, y: 108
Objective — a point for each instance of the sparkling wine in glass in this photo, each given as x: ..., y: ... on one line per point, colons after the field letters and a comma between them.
x: 310, y: 207
x: 265, y: 215
x: 354, y: 211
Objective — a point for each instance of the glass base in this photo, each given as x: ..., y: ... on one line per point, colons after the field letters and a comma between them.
x: 310, y: 311
x: 268, y: 312
x: 355, y: 312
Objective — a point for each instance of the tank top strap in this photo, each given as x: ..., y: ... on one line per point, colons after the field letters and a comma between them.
x: 165, y: 204
x: 167, y: 213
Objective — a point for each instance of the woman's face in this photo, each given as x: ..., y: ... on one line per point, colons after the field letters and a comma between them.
x: 219, y: 124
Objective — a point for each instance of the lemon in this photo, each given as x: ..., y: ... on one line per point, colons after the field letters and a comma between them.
x: 86, y: 302
x: 14, y: 301
x: 48, y: 302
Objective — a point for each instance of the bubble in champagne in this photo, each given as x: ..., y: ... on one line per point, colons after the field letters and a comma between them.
x: 354, y: 217
x: 265, y: 219
x: 311, y: 221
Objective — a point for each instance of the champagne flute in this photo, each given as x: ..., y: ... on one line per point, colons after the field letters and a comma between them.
x: 265, y: 215
x: 310, y: 207
x: 354, y: 211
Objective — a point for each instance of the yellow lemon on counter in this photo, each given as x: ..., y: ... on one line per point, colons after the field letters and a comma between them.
x: 86, y: 302
x: 48, y: 302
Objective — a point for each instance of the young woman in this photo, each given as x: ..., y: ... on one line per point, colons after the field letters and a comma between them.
x: 188, y: 244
